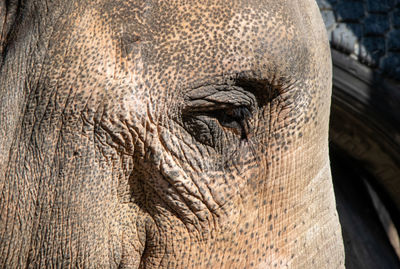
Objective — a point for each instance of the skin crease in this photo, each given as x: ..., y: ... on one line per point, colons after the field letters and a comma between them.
x: 166, y: 134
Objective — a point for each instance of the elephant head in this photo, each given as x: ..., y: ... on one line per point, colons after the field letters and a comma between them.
x: 166, y: 134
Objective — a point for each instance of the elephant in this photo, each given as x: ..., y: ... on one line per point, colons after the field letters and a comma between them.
x: 166, y: 134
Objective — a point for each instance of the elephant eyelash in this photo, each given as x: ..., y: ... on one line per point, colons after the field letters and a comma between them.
x: 236, y: 118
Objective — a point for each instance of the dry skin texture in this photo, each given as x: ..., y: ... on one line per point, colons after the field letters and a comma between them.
x: 166, y: 134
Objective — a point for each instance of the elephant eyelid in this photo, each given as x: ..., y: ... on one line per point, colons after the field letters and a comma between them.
x: 210, y: 98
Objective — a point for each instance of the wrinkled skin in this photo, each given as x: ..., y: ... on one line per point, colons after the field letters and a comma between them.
x: 166, y: 134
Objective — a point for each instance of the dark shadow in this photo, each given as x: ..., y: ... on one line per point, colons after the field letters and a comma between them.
x: 365, y: 240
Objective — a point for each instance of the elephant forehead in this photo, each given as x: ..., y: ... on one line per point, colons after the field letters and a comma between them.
x: 143, y: 49
x: 191, y: 39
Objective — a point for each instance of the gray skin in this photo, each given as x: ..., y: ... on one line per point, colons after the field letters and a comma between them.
x: 165, y: 134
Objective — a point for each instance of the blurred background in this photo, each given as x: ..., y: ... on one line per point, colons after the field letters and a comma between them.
x: 365, y: 127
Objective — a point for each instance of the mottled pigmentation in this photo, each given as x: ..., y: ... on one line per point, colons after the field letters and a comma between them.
x: 167, y: 134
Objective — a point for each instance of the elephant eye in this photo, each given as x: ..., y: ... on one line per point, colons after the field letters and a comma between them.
x: 211, y: 111
x: 236, y: 118
x: 207, y: 125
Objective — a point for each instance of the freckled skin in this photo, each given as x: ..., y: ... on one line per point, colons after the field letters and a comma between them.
x: 166, y: 134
